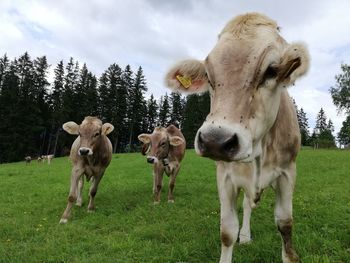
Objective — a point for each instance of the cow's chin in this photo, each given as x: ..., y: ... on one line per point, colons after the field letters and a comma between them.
x: 240, y: 157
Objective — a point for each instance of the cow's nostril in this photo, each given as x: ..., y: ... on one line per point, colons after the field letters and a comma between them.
x: 83, y: 151
x: 200, y: 141
x: 232, y: 144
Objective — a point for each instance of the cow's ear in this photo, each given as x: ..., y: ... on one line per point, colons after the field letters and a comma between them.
x: 71, y: 127
x: 176, y: 140
x: 295, y: 63
x: 188, y: 76
x: 107, y: 128
x: 145, y: 138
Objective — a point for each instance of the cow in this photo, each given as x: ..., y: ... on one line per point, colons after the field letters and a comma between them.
x: 90, y: 154
x: 28, y: 159
x: 48, y: 158
x: 165, y: 149
x: 252, y: 130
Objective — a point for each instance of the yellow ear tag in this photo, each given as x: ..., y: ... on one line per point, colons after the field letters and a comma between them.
x: 185, y: 81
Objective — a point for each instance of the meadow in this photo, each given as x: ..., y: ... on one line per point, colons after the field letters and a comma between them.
x: 127, y: 227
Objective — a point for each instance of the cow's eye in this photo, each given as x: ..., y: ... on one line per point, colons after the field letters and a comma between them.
x: 270, y: 73
x: 162, y: 144
x: 97, y: 134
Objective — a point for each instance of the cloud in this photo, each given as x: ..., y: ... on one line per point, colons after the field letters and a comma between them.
x: 157, y: 33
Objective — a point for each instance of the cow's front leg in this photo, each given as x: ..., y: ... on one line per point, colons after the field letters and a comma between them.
x: 93, y: 190
x: 244, y: 234
x: 173, y: 175
x: 79, y: 191
x: 228, y: 212
x: 283, y: 213
x: 158, y: 170
x: 72, y: 197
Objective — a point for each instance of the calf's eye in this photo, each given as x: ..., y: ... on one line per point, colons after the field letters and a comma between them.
x: 97, y: 134
x: 271, y: 72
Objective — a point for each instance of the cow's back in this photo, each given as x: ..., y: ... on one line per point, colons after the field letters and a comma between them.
x: 177, y: 151
x: 282, y: 143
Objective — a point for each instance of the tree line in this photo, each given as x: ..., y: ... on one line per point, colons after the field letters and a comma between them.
x: 32, y: 110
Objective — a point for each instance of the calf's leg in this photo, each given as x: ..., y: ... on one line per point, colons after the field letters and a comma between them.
x: 229, y: 226
x: 79, y: 191
x: 93, y: 190
x: 72, y: 197
x: 172, y: 183
x: 283, y: 213
x: 244, y: 233
x: 158, y: 171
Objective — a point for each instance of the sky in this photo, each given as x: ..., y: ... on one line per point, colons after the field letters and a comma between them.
x: 155, y: 34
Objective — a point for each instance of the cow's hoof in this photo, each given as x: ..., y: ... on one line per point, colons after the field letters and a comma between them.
x: 156, y: 202
x: 171, y: 201
x: 79, y: 204
x: 91, y: 210
x: 63, y: 221
x: 244, y: 240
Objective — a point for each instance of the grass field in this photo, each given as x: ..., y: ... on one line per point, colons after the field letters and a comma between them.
x: 127, y: 227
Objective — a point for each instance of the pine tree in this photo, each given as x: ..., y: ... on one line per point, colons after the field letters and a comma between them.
x: 323, y: 131
x: 321, y: 122
x: 152, y: 114
x: 197, y: 107
x: 303, y: 126
x: 177, y: 108
x: 69, y: 95
x: 4, y: 65
x: 137, y: 106
x: 56, y: 97
x: 9, y: 100
x: 164, y: 111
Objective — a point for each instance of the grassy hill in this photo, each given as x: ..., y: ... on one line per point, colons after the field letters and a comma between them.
x: 127, y: 227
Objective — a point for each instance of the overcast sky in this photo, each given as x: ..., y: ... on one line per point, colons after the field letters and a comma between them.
x: 157, y: 33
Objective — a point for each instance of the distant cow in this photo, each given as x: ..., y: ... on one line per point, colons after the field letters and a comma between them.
x: 91, y: 153
x: 252, y: 129
x: 28, y: 159
x: 47, y: 157
x: 165, y: 148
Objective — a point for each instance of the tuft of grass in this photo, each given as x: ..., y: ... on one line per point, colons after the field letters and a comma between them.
x: 127, y: 227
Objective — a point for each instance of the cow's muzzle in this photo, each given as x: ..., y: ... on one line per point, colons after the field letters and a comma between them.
x: 83, y: 151
x: 217, y: 145
x: 152, y: 159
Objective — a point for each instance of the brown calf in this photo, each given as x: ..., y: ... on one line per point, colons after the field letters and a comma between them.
x: 91, y: 153
x: 165, y: 148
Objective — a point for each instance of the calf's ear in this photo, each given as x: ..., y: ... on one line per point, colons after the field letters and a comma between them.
x: 295, y: 63
x: 188, y: 76
x: 71, y: 127
x: 176, y: 140
x: 107, y: 128
x: 145, y: 138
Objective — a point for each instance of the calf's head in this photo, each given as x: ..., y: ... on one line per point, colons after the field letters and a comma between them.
x: 157, y: 144
x: 90, y: 132
x: 245, y: 75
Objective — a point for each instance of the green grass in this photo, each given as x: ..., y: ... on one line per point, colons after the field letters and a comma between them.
x: 127, y: 227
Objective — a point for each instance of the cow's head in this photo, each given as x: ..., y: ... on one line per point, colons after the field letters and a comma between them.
x: 157, y: 144
x: 90, y: 132
x: 245, y: 74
